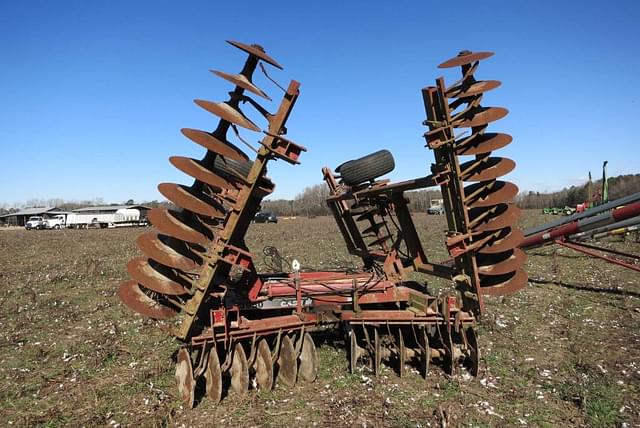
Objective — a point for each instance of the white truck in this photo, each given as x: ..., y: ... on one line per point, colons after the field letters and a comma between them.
x: 56, y: 222
x: 35, y: 222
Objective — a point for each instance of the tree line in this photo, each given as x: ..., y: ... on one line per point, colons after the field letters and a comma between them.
x: 619, y: 186
x: 311, y: 201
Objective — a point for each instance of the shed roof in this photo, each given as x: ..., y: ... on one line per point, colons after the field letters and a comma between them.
x: 110, y: 208
x: 32, y: 211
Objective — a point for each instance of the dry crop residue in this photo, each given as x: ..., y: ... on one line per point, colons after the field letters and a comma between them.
x: 564, y: 351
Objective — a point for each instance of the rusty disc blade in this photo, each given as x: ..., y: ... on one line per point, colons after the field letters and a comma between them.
x: 501, y: 263
x: 263, y: 366
x: 242, y: 81
x: 221, y: 147
x: 484, y: 194
x: 479, y: 116
x: 287, y: 364
x: 507, y: 239
x: 486, y: 169
x: 465, y: 57
x: 143, y: 273
x: 308, y: 368
x: 477, y: 144
x: 131, y: 295
x: 184, y: 378
x: 469, y: 89
x: 500, y: 285
x: 160, y: 250
x: 239, y: 370
x: 228, y: 113
x: 198, y: 203
x: 504, y: 215
x: 213, y: 377
x: 195, y: 169
x: 256, y: 51
x: 170, y: 223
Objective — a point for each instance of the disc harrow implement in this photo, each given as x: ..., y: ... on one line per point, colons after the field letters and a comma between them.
x: 481, y: 215
x: 241, y: 329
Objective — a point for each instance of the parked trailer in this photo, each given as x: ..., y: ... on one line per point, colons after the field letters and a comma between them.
x: 122, y: 217
x: 128, y: 217
x: 85, y: 220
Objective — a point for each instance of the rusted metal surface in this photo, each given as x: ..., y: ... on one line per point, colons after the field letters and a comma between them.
x: 241, y: 81
x: 192, y: 200
x: 158, y: 247
x: 136, y: 299
x: 483, y: 211
x: 465, y: 58
x: 480, y: 215
x: 177, y: 225
x: 228, y: 114
x: 213, y: 144
x: 601, y: 253
x: 254, y: 328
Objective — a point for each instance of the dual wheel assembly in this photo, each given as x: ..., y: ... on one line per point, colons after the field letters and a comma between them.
x: 259, y: 363
x: 400, y: 346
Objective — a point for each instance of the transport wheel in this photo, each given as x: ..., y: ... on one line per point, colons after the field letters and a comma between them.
x: 366, y: 168
x: 239, y: 371
x: 287, y: 364
x: 184, y: 378
x: 263, y: 366
x: 308, y: 370
x: 213, y: 377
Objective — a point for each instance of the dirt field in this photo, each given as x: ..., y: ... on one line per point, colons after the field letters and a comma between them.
x: 564, y: 351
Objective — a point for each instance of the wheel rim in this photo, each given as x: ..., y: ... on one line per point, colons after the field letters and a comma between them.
x: 184, y: 377
x: 308, y: 370
x: 264, y: 366
x: 239, y: 371
x: 287, y: 366
x: 213, y: 377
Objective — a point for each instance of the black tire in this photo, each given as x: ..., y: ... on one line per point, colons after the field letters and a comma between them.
x: 232, y: 167
x: 366, y: 168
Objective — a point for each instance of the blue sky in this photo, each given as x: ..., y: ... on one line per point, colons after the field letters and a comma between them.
x: 94, y: 93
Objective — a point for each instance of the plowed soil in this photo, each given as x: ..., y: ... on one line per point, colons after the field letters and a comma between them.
x: 563, y: 351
